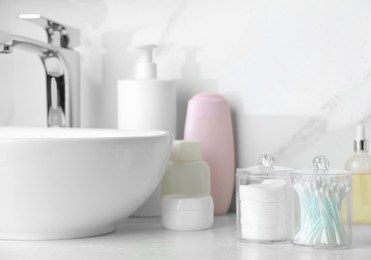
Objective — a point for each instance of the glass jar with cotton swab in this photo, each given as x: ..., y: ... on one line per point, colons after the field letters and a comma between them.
x: 320, y: 195
x: 263, y: 198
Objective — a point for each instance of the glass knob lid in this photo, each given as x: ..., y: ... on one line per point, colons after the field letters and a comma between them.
x: 266, y: 161
x: 321, y: 164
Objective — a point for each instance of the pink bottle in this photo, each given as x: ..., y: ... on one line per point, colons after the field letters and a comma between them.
x: 209, y: 120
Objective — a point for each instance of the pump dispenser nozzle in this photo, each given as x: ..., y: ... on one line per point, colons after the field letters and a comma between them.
x: 360, y: 143
x: 145, y: 67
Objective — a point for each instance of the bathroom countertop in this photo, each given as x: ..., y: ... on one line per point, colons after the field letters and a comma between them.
x: 144, y: 238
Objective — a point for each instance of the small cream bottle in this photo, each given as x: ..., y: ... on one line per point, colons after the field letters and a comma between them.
x: 187, y: 173
x: 360, y: 166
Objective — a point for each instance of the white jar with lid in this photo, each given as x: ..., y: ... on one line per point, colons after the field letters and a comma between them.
x: 185, y: 212
x: 263, y: 195
x: 187, y: 173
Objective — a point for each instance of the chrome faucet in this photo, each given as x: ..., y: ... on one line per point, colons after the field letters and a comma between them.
x: 61, y: 64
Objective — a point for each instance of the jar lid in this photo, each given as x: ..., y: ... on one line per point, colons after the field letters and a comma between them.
x: 321, y: 169
x: 181, y: 202
x: 266, y: 161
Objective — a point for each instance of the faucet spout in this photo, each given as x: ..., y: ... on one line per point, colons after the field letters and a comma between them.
x: 61, y: 66
x: 6, y: 45
x: 9, y: 41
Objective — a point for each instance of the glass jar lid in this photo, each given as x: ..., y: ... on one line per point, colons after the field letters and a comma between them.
x: 321, y: 168
x: 265, y: 166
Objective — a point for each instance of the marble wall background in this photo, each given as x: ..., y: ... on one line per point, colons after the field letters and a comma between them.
x: 296, y: 73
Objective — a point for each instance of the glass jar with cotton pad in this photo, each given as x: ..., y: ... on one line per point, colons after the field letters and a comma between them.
x: 263, y: 202
x: 320, y: 195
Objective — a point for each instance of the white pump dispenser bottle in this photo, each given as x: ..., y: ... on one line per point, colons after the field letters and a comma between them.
x: 146, y: 103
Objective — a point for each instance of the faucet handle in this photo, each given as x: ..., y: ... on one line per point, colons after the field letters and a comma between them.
x: 69, y: 37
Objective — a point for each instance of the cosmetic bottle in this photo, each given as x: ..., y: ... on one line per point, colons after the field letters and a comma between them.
x: 147, y: 103
x: 263, y: 196
x: 187, y: 173
x: 321, y: 206
x: 186, y: 201
x: 360, y: 166
x: 208, y: 119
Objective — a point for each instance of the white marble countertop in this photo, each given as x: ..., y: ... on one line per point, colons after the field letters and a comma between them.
x: 144, y: 238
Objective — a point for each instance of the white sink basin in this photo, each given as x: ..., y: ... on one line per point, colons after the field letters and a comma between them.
x: 58, y: 183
